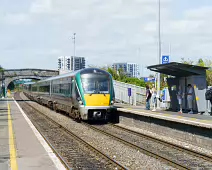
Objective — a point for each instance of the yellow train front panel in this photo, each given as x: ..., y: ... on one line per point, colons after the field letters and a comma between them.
x: 97, y: 99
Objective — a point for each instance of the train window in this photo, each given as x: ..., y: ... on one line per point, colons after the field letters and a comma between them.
x: 34, y: 88
x: 44, y: 89
x: 95, y: 83
x: 77, y: 94
x: 56, y: 88
x: 65, y: 89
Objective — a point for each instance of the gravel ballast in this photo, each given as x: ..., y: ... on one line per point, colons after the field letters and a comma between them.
x: 125, y: 155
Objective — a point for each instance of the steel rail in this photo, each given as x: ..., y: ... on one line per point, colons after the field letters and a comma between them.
x: 50, y: 145
x: 166, y: 143
x: 117, y: 165
x: 145, y: 151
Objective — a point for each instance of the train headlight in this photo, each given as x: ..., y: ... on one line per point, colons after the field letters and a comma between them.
x: 80, y: 102
x: 112, y: 102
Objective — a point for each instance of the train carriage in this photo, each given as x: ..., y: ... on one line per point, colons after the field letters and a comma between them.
x: 86, y: 94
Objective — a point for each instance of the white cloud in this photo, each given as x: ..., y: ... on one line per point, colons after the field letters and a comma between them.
x: 41, y: 6
x: 112, y: 30
x: 15, y: 19
x: 190, y: 36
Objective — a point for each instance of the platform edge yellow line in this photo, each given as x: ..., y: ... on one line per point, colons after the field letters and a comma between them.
x: 13, y: 160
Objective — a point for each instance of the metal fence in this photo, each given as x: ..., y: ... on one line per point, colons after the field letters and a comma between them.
x: 137, y: 94
x: 121, y: 93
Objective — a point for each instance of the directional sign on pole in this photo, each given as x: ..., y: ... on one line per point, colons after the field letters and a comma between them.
x: 149, y: 79
x: 165, y: 59
x: 129, y: 92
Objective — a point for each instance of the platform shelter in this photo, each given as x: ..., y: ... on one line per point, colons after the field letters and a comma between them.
x: 181, y: 75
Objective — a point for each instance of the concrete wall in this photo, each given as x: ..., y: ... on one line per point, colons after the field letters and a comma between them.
x: 195, y: 135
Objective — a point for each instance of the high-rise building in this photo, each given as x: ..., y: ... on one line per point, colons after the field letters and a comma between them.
x: 130, y: 69
x: 70, y: 63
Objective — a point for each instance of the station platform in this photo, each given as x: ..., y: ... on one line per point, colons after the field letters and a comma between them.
x: 191, y: 119
x: 21, y: 145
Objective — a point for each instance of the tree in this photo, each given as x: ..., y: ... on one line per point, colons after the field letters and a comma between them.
x: 122, y: 74
x: 208, y: 63
x: 186, y: 61
x: 203, y: 63
x: 113, y: 72
x: 1, y: 69
x: 1, y: 76
x: 151, y: 75
x: 163, y: 81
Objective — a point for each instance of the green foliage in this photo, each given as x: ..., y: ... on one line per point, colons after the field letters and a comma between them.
x: 208, y: 63
x: 113, y: 73
x: 121, y: 76
x: 1, y: 69
x: 34, y: 80
x: 163, y: 82
x: 133, y: 80
x: 203, y: 63
x: 186, y: 61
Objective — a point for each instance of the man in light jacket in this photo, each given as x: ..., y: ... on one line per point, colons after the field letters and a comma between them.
x: 190, y: 98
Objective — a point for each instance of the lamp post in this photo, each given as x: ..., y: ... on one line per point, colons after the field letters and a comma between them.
x: 74, y: 37
x: 159, y: 51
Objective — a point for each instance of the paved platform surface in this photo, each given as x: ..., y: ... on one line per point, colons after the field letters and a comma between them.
x: 4, y: 137
x: 193, y: 119
x: 21, y: 147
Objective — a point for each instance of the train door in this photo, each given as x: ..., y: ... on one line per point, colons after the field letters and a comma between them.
x: 73, y: 91
x: 50, y: 89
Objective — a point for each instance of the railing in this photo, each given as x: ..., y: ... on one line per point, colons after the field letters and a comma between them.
x: 121, y: 93
x: 30, y: 72
x: 137, y: 95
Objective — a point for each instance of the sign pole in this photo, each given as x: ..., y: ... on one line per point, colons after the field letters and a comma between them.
x: 129, y: 99
x: 129, y: 93
x: 159, y: 50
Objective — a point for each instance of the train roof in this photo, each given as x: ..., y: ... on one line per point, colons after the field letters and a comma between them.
x: 85, y: 70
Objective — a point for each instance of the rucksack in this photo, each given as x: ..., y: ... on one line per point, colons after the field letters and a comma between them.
x: 208, y: 94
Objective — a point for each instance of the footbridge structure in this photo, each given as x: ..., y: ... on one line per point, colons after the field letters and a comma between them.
x: 9, y: 75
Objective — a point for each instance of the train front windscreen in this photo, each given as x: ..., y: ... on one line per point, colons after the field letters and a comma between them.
x: 95, y: 83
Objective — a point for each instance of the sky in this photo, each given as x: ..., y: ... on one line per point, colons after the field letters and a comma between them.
x: 34, y: 33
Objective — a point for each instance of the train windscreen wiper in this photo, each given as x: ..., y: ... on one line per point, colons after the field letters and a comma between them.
x: 102, y: 93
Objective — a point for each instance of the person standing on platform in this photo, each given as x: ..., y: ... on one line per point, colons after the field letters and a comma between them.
x: 148, y: 97
x: 190, y: 98
x: 180, y: 98
x: 154, y: 99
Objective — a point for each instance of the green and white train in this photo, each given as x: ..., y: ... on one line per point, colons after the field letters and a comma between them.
x: 86, y: 94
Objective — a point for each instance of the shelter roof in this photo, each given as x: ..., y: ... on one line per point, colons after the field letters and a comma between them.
x: 178, y: 69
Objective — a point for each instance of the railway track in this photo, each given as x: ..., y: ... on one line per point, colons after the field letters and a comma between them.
x: 74, y: 152
x: 173, y: 155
